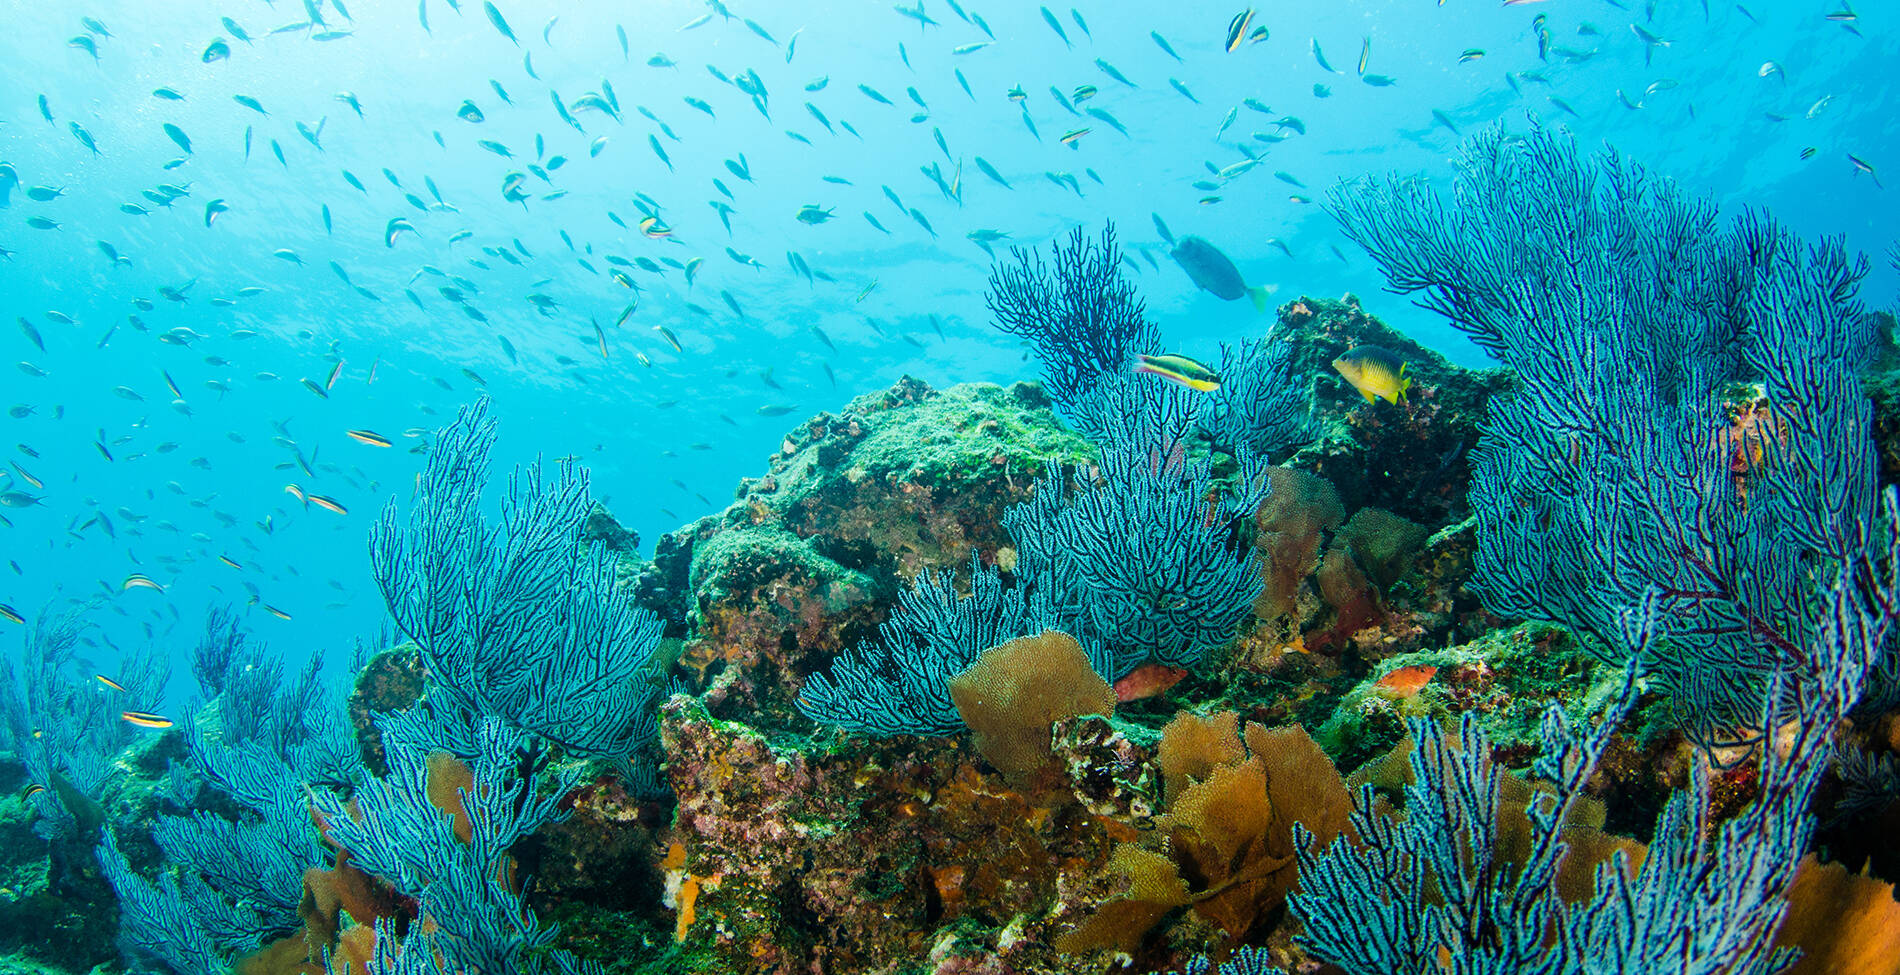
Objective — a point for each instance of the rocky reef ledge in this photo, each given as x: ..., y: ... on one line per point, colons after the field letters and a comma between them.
x: 1082, y: 828
x: 795, y: 847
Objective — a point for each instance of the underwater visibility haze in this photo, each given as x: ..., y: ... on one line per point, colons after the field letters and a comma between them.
x: 955, y: 486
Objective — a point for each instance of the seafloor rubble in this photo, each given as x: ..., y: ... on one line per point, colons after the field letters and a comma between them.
x: 1080, y: 828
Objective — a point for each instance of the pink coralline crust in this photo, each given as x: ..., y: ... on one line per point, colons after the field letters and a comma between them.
x: 786, y: 832
x: 767, y: 635
x: 985, y: 964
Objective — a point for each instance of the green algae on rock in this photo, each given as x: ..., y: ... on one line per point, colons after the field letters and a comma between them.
x: 855, y: 503
x: 1410, y: 458
x: 1509, y: 677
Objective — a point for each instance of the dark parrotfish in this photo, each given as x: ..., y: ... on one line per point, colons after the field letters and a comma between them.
x: 1215, y: 273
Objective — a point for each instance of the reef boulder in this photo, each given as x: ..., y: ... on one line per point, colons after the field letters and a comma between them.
x: 1409, y: 458
x: 809, y: 557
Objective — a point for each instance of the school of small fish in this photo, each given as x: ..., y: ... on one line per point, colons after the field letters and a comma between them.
x: 492, y: 244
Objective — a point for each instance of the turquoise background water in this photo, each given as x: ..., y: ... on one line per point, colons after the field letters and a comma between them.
x: 666, y: 442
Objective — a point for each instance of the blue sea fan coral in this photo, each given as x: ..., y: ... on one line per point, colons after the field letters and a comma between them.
x: 1131, y: 410
x: 522, y: 620
x: 1246, y: 960
x: 61, y: 721
x: 482, y: 923
x: 1428, y: 887
x: 1139, y: 554
x: 1689, y: 416
x: 899, y: 682
x: 417, y: 953
x: 233, y: 871
x: 244, y: 682
x: 1082, y: 320
x: 1262, y: 405
x: 154, y: 919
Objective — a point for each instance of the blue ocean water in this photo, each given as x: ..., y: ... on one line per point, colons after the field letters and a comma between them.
x: 138, y: 477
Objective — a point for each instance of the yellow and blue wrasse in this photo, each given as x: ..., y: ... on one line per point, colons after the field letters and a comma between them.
x: 139, y: 580
x: 297, y: 492
x: 1180, y: 369
x: 328, y: 504
x: 1084, y: 93
x: 227, y: 560
x: 1073, y: 136
x: 274, y: 611
x: 370, y: 437
x: 1375, y: 372
x: 1237, y: 29
x: 146, y: 719
x: 109, y: 682
x: 654, y: 229
x: 31, y: 791
x: 335, y: 371
x: 671, y: 339
x: 10, y: 614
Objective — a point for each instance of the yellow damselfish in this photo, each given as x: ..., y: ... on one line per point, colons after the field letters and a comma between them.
x: 1375, y: 372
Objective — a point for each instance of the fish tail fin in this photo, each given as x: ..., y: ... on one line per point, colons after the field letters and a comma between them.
x: 1260, y: 293
x: 1405, y: 383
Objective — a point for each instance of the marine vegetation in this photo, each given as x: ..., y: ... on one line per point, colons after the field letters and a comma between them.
x: 1127, y: 555
x: 1116, y: 621
x: 236, y: 852
x: 1688, y: 417
x: 1081, y: 317
x: 523, y: 623
x: 470, y: 912
x: 1443, y: 881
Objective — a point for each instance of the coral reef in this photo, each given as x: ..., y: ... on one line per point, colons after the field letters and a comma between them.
x: 520, y: 621
x: 1411, y: 459
x: 1688, y: 418
x: 808, y: 559
x: 822, y: 810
